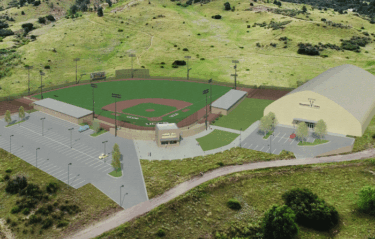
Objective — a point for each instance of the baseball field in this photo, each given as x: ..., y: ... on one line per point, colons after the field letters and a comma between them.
x: 142, y: 101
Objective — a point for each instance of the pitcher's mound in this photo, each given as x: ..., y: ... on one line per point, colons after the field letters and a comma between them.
x: 150, y: 110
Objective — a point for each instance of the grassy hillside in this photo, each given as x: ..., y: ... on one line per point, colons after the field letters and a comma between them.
x: 102, y: 46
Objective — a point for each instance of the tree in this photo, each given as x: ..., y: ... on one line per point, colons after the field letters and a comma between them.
x: 273, y: 119
x: 278, y: 222
x: 304, y: 9
x: 100, y: 12
x: 116, y: 164
x: 366, y: 201
x: 320, y: 128
x: 302, y: 130
x: 21, y: 113
x: 73, y: 9
x: 265, y: 124
x: 109, y: 3
x: 8, y: 118
x: 227, y: 6
x: 96, y: 126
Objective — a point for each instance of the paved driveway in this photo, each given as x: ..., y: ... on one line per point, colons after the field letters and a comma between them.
x: 281, y: 141
x: 58, y: 149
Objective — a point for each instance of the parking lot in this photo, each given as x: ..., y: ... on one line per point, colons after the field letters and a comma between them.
x: 58, y: 147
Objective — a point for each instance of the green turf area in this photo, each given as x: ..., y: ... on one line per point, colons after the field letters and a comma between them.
x: 203, y: 206
x: 115, y: 173
x: 102, y: 131
x: 91, y: 201
x: 216, y: 139
x: 141, y: 109
x: 268, y: 135
x: 245, y: 114
x: 162, y: 175
x: 191, y: 92
x: 316, y: 142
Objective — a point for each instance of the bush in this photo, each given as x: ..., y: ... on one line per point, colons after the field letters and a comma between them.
x: 62, y: 223
x: 47, y: 67
x: 42, y: 20
x: 36, y: 3
x: 3, y: 25
x: 15, y: 209
x: 234, y: 204
x: 311, y: 211
x: 34, y: 219
x: 6, y: 177
x: 278, y: 222
x: 51, y: 187
x: 8, y: 170
x: 47, y: 223
x: 31, y: 190
x: 15, y: 185
x: 22, y: 13
x: 160, y: 232
x: 70, y: 208
x: 202, y: 59
x: 216, y: 17
x: 185, y: 49
x: 50, y: 18
x: 6, y: 32
x: 109, y: 3
x: 179, y: 63
x: 366, y: 201
x: 227, y: 6
x: 100, y: 12
x: 26, y: 211
x: 120, y: 30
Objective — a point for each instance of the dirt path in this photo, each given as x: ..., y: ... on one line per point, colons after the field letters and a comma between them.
x: 142, y: 208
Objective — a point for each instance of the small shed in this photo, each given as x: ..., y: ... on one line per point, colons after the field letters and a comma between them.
x: 167, y: 134
x: 228, y: 102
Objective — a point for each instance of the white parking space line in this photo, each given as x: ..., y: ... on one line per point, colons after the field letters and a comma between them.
x: 292, y: 141
x: 256, y: 147
x: 48, y: 167
x: 66, y: 177
x: 54, y: 170
x: 109, y: 169
x: 60, y: 174
x: 250, y: 146
x: 104, y: 166
x: 70, y: 153
x: 100, y: 165
x: 244, y: 145
x: 261, y: 148
x: 77, y: 183
x: 281, y: 138
x: 274, y: 151
x: 95, y: 163
x: 286, y: 140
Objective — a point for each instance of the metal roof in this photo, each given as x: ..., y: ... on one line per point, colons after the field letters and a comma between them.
x: 349, y: 86
x: 63, y: 107
x: 229, y: 99
x: 166, y: 126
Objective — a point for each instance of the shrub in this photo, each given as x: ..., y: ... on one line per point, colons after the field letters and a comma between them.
x: 220, y: 164
x: 8, y: 170
x: 6, y: 32
x: 50, y: 18
x: 31, y: 190
x: 42, y: 20
x: 234, y: 204
x: 202, y: 59
x: 51, y: 187
x: 100, y: 12
x: 26, y: 211
x: 47, y: 67
x: 34, y: 219
x: 36, y: 3
x: 251, y: 4
x: 6, y: 177
x: 310, y: 211
x: 179, y: 63
x: 42, y: 210
x: 70, y: 208
x: 120, y: 30
x: 278, y: 222
x: 15, y: 185
x: 216, y: 17
x: 366, y: 201
x: 23, y: 13
x: 160, y: 232
x: 62, y: 223
x: 15, y: 209
x: 47, y: 223
x: 185, y: 49
x: 109, y: 3
x: 227, y: 6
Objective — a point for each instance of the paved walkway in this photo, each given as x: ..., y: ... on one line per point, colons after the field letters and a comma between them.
x: 137, y: 210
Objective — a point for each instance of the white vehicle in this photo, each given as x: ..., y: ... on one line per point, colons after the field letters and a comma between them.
x: 102, y: 156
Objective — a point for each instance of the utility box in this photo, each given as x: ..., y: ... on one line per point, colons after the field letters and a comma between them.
x: 167, y: 135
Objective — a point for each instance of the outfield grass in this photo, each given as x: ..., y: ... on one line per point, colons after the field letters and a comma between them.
x: 202, y: 211
x: 141, y: 109
x: 245, y: 114
x: 316, y: 142
x: 216, y: 139
x: 93, y: 203
x: 116, y: 173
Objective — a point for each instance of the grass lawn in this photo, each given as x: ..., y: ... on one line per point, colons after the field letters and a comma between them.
x: 316, y: 142
x: 202, y: 211
x: 141, y: 109
x: 216, y: 139
x: 245, y: 114
x: 268, y: 135
x: 102, y: 131
x: 116, y: 173
x: 92, y: 202
x: 162, y: 175
x: 15, y: 123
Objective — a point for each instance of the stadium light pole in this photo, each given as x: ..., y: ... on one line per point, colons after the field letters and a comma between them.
x: 93, y: 102
x: 36, y: 157
x: 10, y: 143
x: 68, y: 174
x: 205, y: 93
x: 104, y: 146
x: 118, y: 96
x: 270, y: 143
x: 210, y: 81
x: 42, y: 119
x: 76, y: 60
x: 71, y: 137
x: 120, y: 193
x: 132, y: 56
x: 235, y: 73
x: 41, y: 83
x: 187, y: 66
x: 29, y: 68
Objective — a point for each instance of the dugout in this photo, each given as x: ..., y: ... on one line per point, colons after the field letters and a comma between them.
x: 63, y: 110
x: 167, y: 134
x: 226, y: 103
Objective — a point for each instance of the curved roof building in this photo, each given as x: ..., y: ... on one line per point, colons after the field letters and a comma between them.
x: 343, y: 96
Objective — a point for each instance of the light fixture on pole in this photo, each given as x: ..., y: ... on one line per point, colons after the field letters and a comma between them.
x: 210, y: 82
x: 68, y: 174
x: 104, y: 142
x: 116, y: 96
x: 205, y: 93
x: 42, y: 119
x: 235, y: 73
x: 120, y: 193
x: 41, y: 84
x: 71, y: 146
x: 29, y: 68
x: 187, y: 66
x: 76, y: 60
x: 132, y: 56
x: 36, y: 157
x: 93, y: 102
x: 10, y: 143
